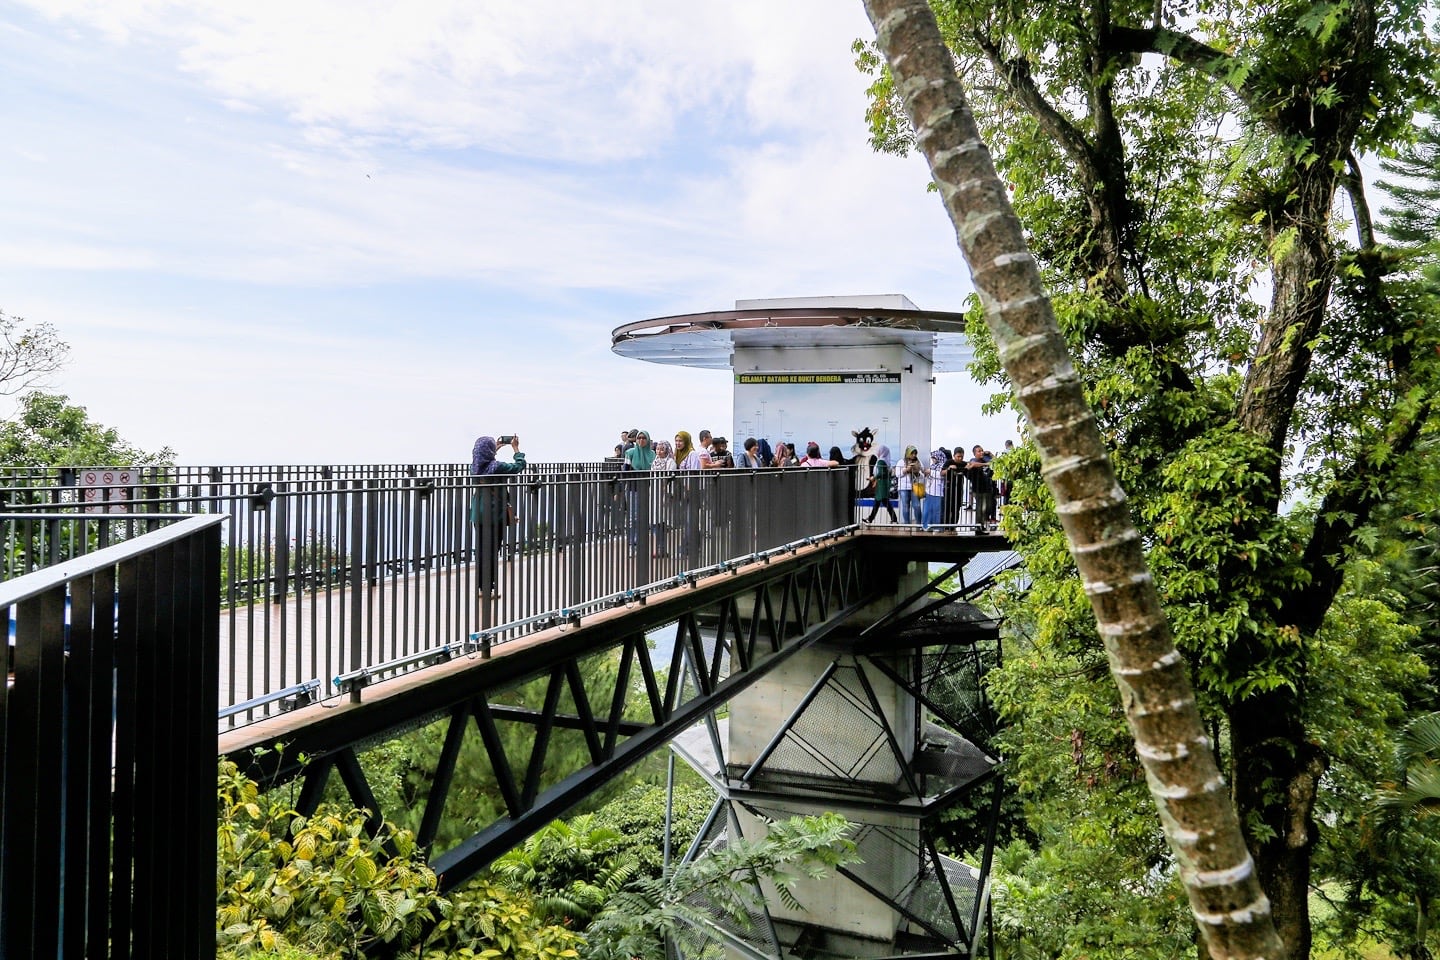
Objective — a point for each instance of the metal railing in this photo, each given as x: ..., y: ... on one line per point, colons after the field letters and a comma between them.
x: 107, y: 756
x: 331, y: 578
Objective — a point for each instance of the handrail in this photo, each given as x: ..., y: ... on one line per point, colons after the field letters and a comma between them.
x: 177, y: 527
x: 373, y: 571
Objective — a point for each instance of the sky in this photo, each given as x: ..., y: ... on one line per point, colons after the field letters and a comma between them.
x: 360, y: 232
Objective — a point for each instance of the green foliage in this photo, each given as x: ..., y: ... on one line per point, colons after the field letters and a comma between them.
x: 1165, y: 203
x: 638, y: 816
x: 317, y: 883
x: 1417, y: 759
x: 1414, y: 194
x: 282, y: 953
x: 571, y: 869
x: 1072, y: 882
x: 637, y: 919
x: 490, y: 921
x: 1223, y: 558
x: 48, y: 430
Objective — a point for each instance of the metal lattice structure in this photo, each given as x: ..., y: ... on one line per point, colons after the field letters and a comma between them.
x: 726, y: 630
x: 893, y: 732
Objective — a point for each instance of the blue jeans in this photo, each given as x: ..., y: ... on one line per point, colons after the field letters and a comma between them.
x: 932, y: 510
x: 909, y: 505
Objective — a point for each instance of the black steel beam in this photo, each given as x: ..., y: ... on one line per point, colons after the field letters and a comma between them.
x: 461, y: 862
x: 444, y: 775
x: 464, y: 687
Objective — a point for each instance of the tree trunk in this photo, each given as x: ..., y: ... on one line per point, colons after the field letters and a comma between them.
x: 1277, y: 774
x: 1196, y: 811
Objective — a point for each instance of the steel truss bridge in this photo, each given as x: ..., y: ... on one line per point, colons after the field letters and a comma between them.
x: 357, y: 604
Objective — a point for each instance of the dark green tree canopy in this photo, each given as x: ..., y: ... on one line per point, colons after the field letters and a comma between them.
x: 1264, y: 368
x: 48, y: 430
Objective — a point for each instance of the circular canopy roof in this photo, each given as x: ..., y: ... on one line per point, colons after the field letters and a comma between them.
x: 708, y: 340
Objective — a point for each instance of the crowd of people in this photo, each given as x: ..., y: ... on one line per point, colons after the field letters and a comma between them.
x: 933, y: 493
x: 637, y: 450
x: 930, y: 492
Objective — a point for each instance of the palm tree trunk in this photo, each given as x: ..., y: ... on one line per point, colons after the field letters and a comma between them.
x: 1195, y: 807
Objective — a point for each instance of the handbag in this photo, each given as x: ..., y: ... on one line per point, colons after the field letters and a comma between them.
x: 918, y: 488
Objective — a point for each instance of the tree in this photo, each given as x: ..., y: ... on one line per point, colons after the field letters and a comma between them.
x: 639, y: 816
x: 49, y: 431
x: 1164, y: 167
x: 29, y: 353
x: 1200, y: 822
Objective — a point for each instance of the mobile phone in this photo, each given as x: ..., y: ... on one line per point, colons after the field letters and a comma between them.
x: 505, y: 439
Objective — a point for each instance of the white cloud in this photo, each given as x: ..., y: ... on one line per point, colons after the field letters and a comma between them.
x: 561, y: 79
x: 348, y: 231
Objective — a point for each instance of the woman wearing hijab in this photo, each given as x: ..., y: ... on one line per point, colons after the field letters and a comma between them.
x: 664, y: 457
x: 884, y: 483
x: 490, y: 508
x: 638, y: 457
x: 686, y: 456
x: 767, y: 456
x: 910, y: 473
x: 935, y: 487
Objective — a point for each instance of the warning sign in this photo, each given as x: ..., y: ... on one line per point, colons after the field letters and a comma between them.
x: 107, y: 490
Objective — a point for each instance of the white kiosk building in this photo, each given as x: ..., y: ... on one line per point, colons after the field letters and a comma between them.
x: 816, y: 368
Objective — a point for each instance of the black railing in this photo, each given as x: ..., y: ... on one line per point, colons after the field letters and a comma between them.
x: 334, y: 574
x: 107, y: 771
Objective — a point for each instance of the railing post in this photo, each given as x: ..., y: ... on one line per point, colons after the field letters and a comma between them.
x: 372, y: 532
x: 357, y: 576
x: 694, y: 509
x: 577, y: 496
x: 53, y: 553
x: 642, y: 492
x: 280, y: 530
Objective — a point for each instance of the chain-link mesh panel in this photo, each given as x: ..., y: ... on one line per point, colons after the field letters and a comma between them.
x: 946, y: 760
x: 964, y: 888
x: 838, y: 735
x: 953, y: 680
x: 927, y: 901
x: 698, y: 943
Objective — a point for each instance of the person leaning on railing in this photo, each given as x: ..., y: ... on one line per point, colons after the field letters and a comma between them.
x: 490, y: 508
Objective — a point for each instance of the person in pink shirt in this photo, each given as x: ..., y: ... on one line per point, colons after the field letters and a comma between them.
x: 812, y: 457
